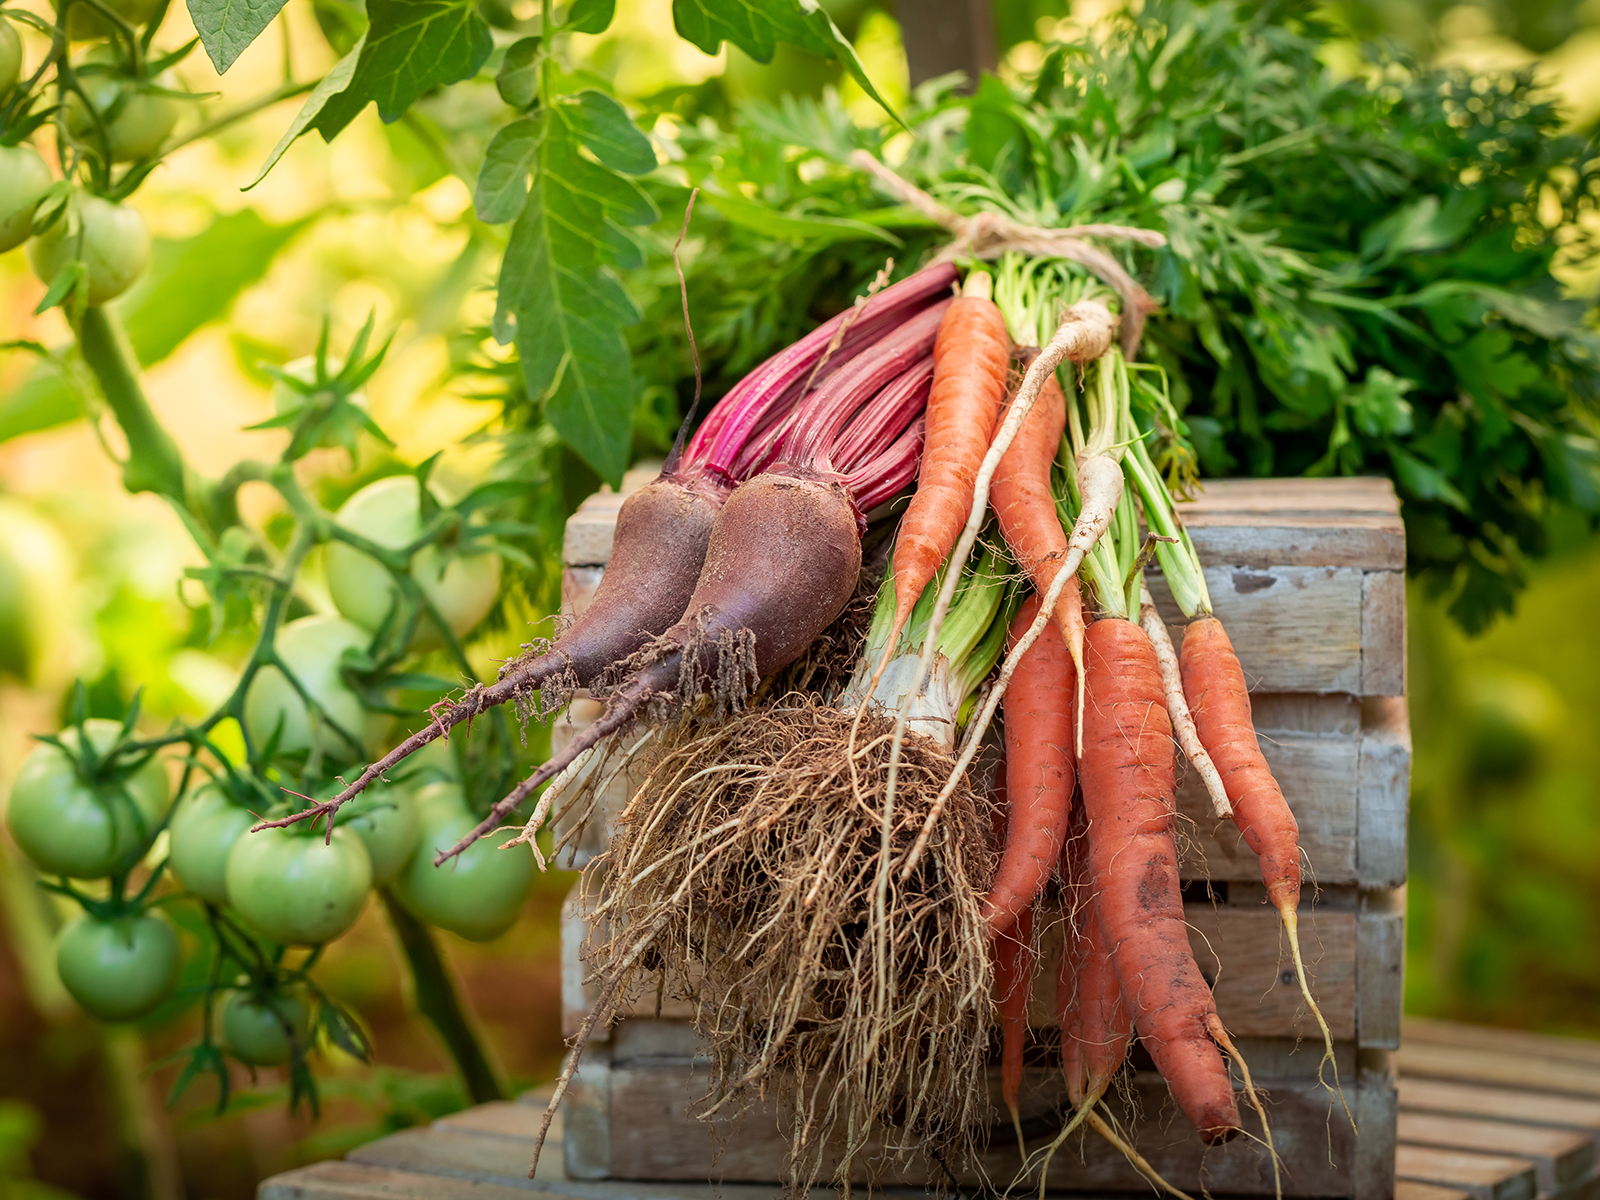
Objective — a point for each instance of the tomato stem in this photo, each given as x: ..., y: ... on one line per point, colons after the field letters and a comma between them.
x: 154, y: 461
x: 438, y: 1000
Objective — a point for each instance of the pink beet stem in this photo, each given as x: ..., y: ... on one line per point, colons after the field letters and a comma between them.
x: 777, y: 384
x: 882, y: 477
x: 870, y: 434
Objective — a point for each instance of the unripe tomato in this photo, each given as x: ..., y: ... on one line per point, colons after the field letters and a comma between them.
x: 118, y: 969
x: 10, y: 55
x: 204, y: 828
x: 83, y: 828
x: 24, y: 179
x: 389, y: 513
x: 84, y: 24
x: 263, y: 1030
x: 115, y: 247
x: 137, y: 120
x: 36, y: 575
x: 311, y: 647
x: 388, y: 829
x: 479, y: 893
x: 293, y: 887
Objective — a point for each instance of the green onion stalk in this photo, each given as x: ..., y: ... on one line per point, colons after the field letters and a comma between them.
x: 969, y: 645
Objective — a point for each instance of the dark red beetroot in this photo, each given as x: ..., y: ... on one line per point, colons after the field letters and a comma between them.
x: 785, y: 550
x: 783, y: 561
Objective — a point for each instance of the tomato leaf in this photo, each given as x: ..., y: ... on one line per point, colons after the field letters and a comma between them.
x: 409, y: 47
x: 756, y: 26
x: 561, y: 302
x: 610, y: 135
x: 227, y: 27
x: 591, y: 16
x: 502, y: 189
x: 518, y: 78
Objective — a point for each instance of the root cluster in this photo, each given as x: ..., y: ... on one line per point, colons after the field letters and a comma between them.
x: 743, y: 876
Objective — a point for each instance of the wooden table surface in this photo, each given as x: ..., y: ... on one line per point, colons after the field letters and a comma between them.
x: 1485, y: 1114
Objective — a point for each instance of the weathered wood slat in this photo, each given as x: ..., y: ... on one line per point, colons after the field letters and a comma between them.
x: 1483, y: 1176
x: 1505, y: 1041
x: 1562, y: 1158
x: 1472, y: 1065
x: 1408, y: 1189
x: 1527, y: 1107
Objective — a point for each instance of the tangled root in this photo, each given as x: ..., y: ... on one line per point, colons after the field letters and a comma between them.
x: 748, y: 860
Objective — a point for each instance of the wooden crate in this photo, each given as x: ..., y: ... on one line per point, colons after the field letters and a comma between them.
x: 1464, y: 1135
x: 1308, y: 577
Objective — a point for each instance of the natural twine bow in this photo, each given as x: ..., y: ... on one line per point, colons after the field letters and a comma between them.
x: 989, y: 235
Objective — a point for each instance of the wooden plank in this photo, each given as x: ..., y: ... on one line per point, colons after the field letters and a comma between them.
x: 578, y: 585
x: 1374, y: 1105
x: 1383, y: 794
x: 1483, y: 1176
x: 1380, y: 963
x: 1512, y: 1070
x: 1562, y: 1157
x: 1371, y: 495
x: 1241, y: 954
x: 1296, y: 629
x: 1383, y: 633
x: 653, y: 1136
x: 1484, y: 1037
x: 1532, y: 1108
x: 357, y: 1181
x: 1297, y: 522
x: 1408, y: 1189
x: 499, y: 1118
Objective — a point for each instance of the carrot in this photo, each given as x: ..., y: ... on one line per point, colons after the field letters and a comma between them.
x: 1128, y: 776
x: 1026, y: 509
x: 1219, y: 698
x: 970, y: 359
x: 1039, y: 772
x: 1013, y: 976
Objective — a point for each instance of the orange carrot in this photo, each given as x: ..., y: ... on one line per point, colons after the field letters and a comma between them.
x: 1128, y: 775
x: 970, y: 358
x: 1013, y: 977
x: 1095, y: 1026
x: 1039, y: 772
x: 1219, y: 699
x: 1026, y: 509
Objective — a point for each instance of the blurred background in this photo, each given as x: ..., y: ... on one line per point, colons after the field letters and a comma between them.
x: 1504, y: 898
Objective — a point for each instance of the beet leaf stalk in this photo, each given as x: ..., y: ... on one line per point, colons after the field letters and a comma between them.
x: 785, y: 549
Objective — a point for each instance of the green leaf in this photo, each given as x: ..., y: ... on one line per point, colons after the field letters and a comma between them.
x: 756, y: 26
x: 591, y: 16
x: 517, y: 81
x: 334, y: 82
x: 196, y: 280
x: 813, y: 230
x: 561, y: 302
x: 503, y: 179
x: 607, y: 132
x: 411, y: 47
x: 227, y: 27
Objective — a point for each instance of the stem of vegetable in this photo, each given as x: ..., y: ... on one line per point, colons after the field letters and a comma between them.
x: 154, y: 462
x: 438, y: 1000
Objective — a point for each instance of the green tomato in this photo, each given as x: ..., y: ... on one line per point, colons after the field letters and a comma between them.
x: 311, y: 647
x: 118, y: 969
x: 389, y: 513
x: 36, y: 570
x: 115, y: 246
x: 388, y: 830
x: 204, y: 828
x: 137, y: 120
x: 264, y: 1030
x: 479, y: 894
x: 295, y: 888
x: 84, y: 24
x: 85, y: 829
x: 24, y: 179
x: 10, y: 55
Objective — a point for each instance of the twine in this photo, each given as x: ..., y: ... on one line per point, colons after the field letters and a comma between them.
x: 988, y: 235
